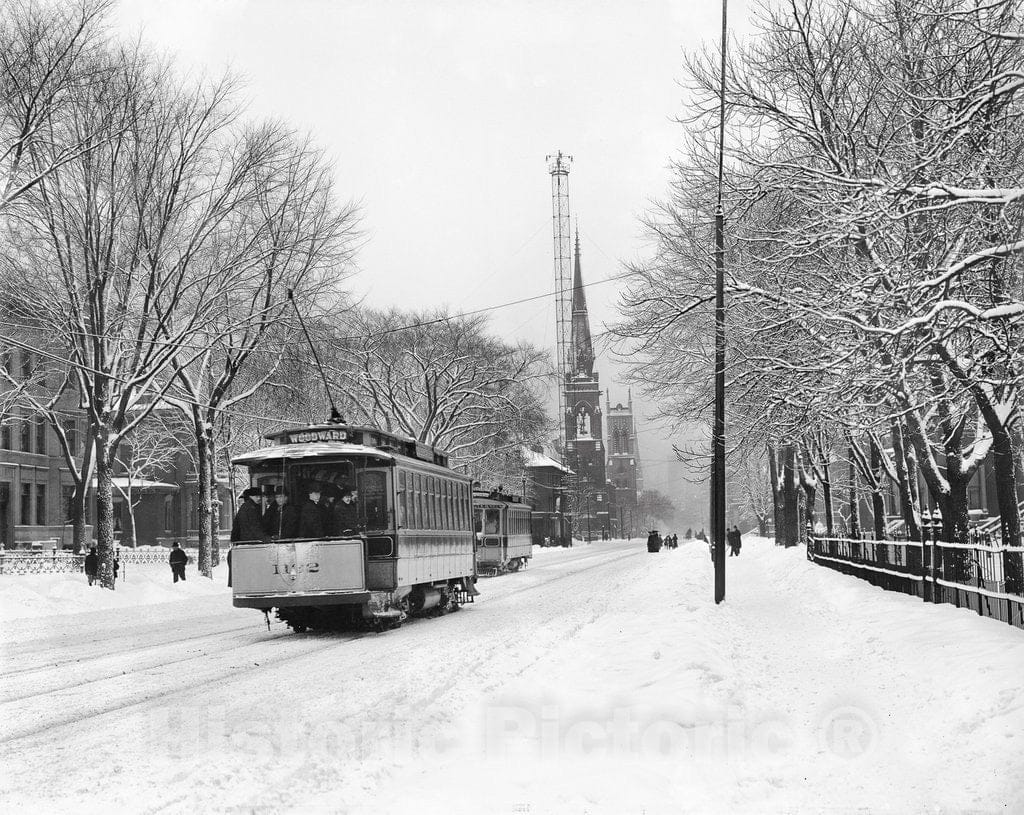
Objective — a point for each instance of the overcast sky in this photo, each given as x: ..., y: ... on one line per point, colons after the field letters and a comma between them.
x: 439, y: 115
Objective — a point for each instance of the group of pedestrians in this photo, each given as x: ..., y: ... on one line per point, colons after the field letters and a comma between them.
x: 734, y: 540
x: 655, y: 541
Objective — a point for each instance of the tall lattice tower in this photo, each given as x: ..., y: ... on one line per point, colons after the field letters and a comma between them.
x: 558, y: 166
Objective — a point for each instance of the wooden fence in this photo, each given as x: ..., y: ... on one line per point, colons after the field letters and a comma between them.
x: 984, y: 577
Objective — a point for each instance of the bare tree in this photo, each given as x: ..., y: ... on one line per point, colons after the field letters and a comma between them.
x: 47, y: 53
x: 443, y: 381
x: 111, y: 246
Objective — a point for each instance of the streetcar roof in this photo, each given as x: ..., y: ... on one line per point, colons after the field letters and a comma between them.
x: 311, y: 450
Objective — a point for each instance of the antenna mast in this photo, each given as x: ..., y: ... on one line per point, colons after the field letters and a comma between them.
x: 558, y: 166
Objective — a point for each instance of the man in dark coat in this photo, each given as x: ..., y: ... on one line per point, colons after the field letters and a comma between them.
x: 346, y: 512
x: 311, y: 514
x: 92, y: 565
x: 735, y: 541
x: 281, y: 520
x: 248, y: 523
x: 654, y: 541
x: 177, y: 559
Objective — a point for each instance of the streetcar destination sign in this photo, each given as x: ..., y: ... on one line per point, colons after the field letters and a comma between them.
x: 306, y: 436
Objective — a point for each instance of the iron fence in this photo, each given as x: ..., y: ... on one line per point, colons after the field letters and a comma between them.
x: 980, y: 575
x: 14, y: 562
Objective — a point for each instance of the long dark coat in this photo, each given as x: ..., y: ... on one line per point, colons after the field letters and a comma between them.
x: 92, y: 563
x: 248, y: 526
x: 177, y: 557
x: 346, y: 516
x: 281, y: 522
x: 311, y: 520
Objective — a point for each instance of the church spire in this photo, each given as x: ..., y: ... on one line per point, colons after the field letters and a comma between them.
x: 582, y: 346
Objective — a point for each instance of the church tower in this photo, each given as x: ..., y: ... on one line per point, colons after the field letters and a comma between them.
x: 584, y: 447
x: 624, y: 463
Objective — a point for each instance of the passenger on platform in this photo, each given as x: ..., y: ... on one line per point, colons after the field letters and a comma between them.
x: 328, y: 498
x: 311, y: 516
x: 346, y: 512
x: 248, y: 523
x: 281, y: 520
x: 177, y: 559
x: 92, y: 565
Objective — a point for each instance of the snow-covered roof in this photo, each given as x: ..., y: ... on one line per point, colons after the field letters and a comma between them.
x: 311, y: 450
x: 535, y: 459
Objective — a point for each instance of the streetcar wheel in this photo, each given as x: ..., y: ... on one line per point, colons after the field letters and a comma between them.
x: 299, y: 628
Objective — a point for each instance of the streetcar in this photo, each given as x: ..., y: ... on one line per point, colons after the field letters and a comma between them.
x: 408, y: 549
x: 502, y: 524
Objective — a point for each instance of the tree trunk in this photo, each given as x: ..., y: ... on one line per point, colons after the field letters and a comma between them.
x: 1005, y: 471
x: 790, y: 497
x: 854, y: 508
x: 877, y: 502
x: 79, y: 516
x: 214, y: 501
x: 762, y: 525
x: 777, y: 502
x: 204, y: 477
x: 105, y: 510
x: 908, y: 498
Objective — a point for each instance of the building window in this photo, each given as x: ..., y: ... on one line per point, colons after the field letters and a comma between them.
x: 26, y: 365
x: 26, y: 504
x: 40, y: 435
x: 71, y: 433
x: 26, y: 436
x: 169, y: 513
x: 5, y: 433
x: 67, y: 501
x: 40, y: 504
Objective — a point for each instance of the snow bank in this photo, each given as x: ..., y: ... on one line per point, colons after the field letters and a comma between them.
x: 42, y: 595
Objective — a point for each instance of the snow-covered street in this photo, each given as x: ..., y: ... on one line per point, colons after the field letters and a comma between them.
x: 601, y: 679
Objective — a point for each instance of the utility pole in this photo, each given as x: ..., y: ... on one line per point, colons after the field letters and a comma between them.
x: 718, y: 438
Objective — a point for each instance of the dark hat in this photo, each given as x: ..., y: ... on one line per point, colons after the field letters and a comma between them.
x: 279, y: 490
x: 346, y: 491
x: 331, y: 491
x: 314, y: 486
x: 252, y: 492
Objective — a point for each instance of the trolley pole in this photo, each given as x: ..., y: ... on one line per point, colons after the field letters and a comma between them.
x: 718, y: 437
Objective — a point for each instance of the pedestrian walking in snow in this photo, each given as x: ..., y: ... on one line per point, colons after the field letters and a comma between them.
x: 92, y: 565
x: 177, y: 559
x: 735, y: 541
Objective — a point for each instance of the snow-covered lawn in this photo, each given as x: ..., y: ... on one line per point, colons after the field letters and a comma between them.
x: 602, y: 679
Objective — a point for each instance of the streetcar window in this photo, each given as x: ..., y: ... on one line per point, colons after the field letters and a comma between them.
x: 448, y: 505
x: 403, y: 517
x: 373, y: 499
x: 418, y: 501
x: 492, y: 521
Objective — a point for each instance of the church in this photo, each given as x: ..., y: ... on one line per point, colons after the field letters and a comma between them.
x: 603, y: 505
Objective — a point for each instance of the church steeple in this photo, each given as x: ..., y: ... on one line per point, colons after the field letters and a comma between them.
x: 582, y: 346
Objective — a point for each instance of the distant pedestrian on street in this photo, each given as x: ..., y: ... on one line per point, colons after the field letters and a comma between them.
x: 92, y: 565
x: 735, y: 541
x: 177, y: 559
